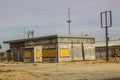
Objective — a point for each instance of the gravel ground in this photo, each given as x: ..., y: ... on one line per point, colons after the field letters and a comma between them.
x: 60, y: 71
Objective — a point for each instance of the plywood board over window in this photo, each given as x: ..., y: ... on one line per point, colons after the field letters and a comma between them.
x: 49, y: 53
x: 37, y: 53
x: 64, y: 52
x: 27, y: 54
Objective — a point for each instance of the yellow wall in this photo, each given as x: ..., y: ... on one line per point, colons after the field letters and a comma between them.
x: 27, y: 54
x: 64, y: 52
x: 48, y: 53
x: 37, y: 53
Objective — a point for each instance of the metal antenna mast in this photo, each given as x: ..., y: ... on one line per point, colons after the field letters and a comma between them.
x: 24, y: 33
x: 69, y: 20
x: 30, y: 33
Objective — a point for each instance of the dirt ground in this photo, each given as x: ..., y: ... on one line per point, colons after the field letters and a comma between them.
x: 59, y: 71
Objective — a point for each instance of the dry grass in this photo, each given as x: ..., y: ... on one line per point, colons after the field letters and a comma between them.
x: 87, y: 70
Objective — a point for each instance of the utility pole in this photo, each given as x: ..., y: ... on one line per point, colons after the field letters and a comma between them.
x: 69, y: 20
x: 108, y: 23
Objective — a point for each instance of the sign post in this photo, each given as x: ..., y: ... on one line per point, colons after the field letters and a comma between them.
x: 106, y: 22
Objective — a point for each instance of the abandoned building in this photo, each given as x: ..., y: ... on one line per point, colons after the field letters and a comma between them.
x: 113, y: 48
x: 53, y: 48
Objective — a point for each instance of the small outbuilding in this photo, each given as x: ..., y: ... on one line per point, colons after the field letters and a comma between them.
x: 53, y: 48
x: 113, y: 48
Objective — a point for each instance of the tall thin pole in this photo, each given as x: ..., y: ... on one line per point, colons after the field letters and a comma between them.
x: 106, y: 26
x: 107, y: 56
x: 24, y: 33
x: 68, y: 13
x: 107, y: 59
x: 69, y: 28
x: 69, y: 20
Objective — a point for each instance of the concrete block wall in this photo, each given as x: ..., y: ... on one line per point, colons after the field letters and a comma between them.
x: 89, y: 51
x: 38, y: 59
x: 63, y: 46
x: 72, y: 44
x: 50, y: 60
x: 75, y: 48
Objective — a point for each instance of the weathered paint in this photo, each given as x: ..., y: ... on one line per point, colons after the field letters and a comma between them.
x: 27, y: 54
x: 89, y: 51
x: 37, y: 53
x: 49, y: 53
x: 64, y: 52
x: 50, y: 48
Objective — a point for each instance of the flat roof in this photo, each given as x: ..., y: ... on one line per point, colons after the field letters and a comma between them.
x: 47, y: 37
x: 110, y: 43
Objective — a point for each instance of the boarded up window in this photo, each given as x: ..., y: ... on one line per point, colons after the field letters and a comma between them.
x: 64, y: 52
x: 27, y: 54
x: 37, y: 53
x: 49, y: 53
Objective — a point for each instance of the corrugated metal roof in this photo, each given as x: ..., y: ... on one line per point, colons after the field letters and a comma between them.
x: 110, y: 43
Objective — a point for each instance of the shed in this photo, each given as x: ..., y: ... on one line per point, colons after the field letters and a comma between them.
x: 113, y: 47
x: 53, y: 48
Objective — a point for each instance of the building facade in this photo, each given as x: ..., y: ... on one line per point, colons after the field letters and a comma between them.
x: 113, y: 49
x: 54, y: 48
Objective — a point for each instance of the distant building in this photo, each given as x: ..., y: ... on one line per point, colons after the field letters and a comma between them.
x: 54, y: 48
x: 113, y: 48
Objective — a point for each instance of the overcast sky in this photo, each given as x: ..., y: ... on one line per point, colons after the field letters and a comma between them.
x: 48, y: 17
